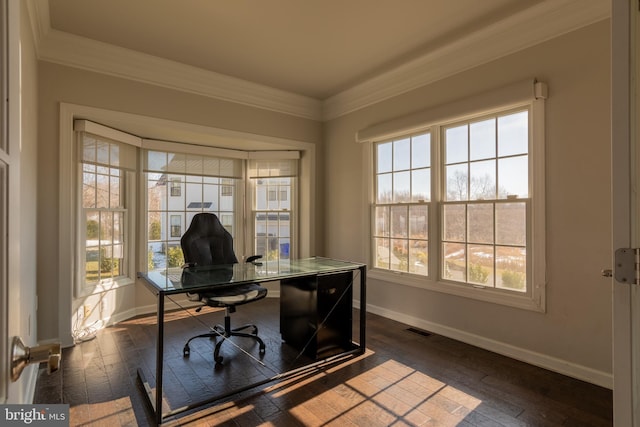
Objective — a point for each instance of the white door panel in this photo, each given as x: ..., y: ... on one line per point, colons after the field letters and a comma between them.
x: 625, y: 209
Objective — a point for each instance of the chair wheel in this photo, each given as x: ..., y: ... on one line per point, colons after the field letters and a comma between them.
x: 186, y: 351
x: 262, y: 349
x: 219, y: 360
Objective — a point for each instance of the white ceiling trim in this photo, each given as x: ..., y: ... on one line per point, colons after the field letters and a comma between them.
x: 74, y: 51
x: 80, y: 52
x: 539, y: 23
x: 535, y: 25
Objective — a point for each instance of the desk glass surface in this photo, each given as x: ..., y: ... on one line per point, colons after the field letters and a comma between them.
x: 194, y: 279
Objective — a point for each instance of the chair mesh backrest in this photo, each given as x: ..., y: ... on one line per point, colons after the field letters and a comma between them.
x: 207, y: 242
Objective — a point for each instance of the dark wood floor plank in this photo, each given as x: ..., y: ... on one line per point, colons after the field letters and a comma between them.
x: 405, y: 378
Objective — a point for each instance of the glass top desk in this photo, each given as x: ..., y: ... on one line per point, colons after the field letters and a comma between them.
x: 200, y: 279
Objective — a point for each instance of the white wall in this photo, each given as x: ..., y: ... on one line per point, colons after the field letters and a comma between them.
x: 574, y: 335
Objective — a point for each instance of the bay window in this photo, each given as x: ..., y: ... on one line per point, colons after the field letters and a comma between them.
x: 124, y: 180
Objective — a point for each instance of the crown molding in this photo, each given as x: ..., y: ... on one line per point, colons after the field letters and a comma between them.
x: 535, y: 25
x: 74, y: 51
x: 80, y: 52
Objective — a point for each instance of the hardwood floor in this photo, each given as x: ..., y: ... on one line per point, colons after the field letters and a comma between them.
x: 405, y: 378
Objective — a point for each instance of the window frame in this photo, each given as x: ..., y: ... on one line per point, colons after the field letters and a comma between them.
x: 434, y: 121
x: 233, y: 186
x: 293, y: 175
x: 81, y: 288
x: 205, y: 179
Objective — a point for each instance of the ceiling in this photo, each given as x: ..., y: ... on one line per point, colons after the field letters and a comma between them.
x: 307, y: 47
x: 317, y: 51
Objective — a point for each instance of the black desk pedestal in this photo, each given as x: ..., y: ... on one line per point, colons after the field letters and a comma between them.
x: 316, y: 312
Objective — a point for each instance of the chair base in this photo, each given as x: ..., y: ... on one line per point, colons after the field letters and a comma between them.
x: 225, y: 332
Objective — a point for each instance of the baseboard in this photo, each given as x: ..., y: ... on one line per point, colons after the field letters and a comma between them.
x: 560, y: 366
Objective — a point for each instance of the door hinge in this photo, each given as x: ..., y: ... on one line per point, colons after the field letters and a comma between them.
x: 627, y: 262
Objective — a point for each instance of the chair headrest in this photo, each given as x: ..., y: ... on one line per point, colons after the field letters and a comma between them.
x: 207, y: 242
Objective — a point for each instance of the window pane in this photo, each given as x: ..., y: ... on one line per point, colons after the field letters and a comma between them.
x: 456, y: 144
x: 418, y: 257
x: 480, y: 270
x: 513, y: 176
x: 114, y: 192
x: 399, y: 224
x: 480, y: 223
x: 92, y: 266
x: 421, y: 151
x: 88, y: 148
x: 384, y: 157
x: 511, y: 223
x: 455, y: 261
x: 454, y: 223
x: 511, y: 264
x: 118, y: 228
x: 92, y: 232
x: 402, y: 186
x: 102, y: 191
x: 421, y: 185
x: 482, y: 139
x: 456, y: 184
x: 102, y: 152
x: 106, y: 224
x: 399, y: 255
x: 382, y: 253
x: 513, y: 134
x: 385, y: 188
x: 154, y: 224
x: 419, y: 222
x: 382, y: 222
x: 483, y: 180
x: 176, y: 225
x: 114, y: 155
x: 402, y: 154
x: 210, y: 193
x: 285, y: 245
x: 89, y: 190
x: 177, y: 163
x: 155, y: 190
x: 156, y: 161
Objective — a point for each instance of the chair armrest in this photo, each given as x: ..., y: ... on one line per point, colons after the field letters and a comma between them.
x: 253, y: 258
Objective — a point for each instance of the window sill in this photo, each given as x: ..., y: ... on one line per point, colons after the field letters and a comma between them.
x: 525, y: 301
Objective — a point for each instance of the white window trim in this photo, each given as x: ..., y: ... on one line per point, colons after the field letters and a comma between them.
x: 519, y: 94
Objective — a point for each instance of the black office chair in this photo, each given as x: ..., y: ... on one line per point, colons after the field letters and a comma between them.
x: 205, y: 243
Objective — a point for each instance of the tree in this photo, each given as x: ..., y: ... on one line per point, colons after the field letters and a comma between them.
x: 92, y: 229
x: 155, y: 231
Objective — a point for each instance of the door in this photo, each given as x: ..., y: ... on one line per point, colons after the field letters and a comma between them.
x: 625, y: 208
x: 15, y: 321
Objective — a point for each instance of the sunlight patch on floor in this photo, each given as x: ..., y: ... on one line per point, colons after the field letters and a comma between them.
x: 387, y: 394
